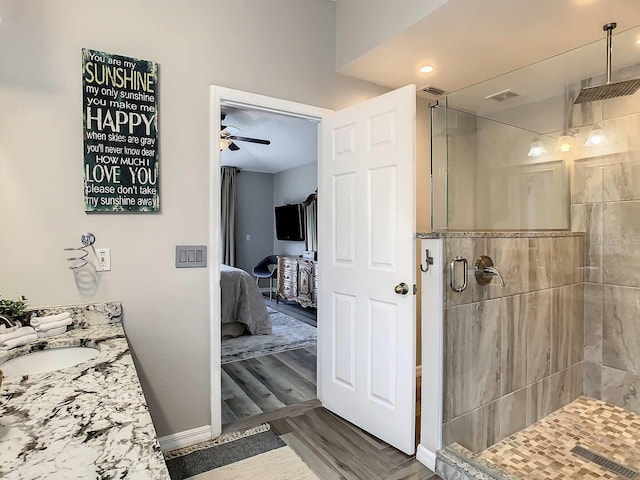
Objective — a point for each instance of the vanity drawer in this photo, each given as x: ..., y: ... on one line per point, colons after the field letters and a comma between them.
x: 287, y: 264
x: 289, y: 289
x: 289, y: 276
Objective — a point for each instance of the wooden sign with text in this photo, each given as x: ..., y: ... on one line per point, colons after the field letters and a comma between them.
x: 120, y: 102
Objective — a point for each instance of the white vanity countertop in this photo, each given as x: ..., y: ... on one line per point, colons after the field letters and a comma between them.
x: 89, y: 421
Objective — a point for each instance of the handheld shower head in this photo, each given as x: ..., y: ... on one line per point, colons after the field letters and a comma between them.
x: 609, y: 89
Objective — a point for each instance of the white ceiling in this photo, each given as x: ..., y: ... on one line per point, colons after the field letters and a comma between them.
x: 533, y: 47
x: 294, y: 141
x: 470, y: 41
x: 545, y: 80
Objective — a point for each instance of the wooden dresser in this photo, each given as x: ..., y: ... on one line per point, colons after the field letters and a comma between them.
x: 298, y: 280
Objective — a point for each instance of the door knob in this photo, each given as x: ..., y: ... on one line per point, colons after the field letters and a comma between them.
x: 402, y: 289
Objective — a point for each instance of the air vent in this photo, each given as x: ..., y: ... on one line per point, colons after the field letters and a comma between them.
x: 431, y: 90
x: 502, y: 96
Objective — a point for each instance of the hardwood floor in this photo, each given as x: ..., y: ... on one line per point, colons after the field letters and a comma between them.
x: 254, y: 388
x: 307, y: 315
x: 280, y: 389
x: 337, y: 450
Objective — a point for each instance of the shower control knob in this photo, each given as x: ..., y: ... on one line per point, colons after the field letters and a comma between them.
x: 402, y: 289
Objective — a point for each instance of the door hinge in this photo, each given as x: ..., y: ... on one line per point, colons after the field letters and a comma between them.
x: 415, y: 289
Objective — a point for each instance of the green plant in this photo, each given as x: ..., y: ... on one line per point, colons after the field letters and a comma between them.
x: 15, y: 309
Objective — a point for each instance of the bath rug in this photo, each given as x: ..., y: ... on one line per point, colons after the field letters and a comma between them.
x: 224, y: 438
x: 227, y: 453
x: 287, y: 333
x: 279, y: 464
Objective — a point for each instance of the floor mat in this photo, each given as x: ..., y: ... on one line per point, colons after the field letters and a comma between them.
x: 279, y: 464
x: 224, y: 438
x: 203, y: 460
x: 287, y: 334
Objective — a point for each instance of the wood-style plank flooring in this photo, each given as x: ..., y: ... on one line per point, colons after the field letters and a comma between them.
x: 337, y: 450
x: 307, y: 315
x: 260, y: 389
x: 280, y: 389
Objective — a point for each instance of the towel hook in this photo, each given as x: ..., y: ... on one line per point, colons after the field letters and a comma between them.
x: 80, y: 258
x: 428, y: 261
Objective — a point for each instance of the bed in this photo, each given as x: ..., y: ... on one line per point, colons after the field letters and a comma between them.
x: 243, y: 308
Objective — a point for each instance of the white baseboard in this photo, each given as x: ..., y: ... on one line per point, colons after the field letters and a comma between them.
x: 426, y: 457
x: 184, y: 439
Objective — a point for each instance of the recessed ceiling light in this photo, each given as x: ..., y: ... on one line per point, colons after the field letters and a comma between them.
x: 426, y: 69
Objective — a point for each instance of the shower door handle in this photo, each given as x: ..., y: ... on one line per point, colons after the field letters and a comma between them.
x: 452, y: 274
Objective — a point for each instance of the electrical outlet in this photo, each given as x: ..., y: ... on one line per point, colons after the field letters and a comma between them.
x: 104, y: 259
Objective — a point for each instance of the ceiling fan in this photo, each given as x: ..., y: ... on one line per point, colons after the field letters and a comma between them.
x: 227, y: 139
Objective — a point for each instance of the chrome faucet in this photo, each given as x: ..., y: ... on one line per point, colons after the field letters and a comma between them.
x: 485, y: 271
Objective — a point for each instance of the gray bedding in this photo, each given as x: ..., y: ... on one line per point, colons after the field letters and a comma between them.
x: 243, y: 308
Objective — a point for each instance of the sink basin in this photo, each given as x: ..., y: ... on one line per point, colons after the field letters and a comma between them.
x: 47, y: 360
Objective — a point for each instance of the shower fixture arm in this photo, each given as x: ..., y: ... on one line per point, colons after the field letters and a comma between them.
x: 609, y: 29
x: 609, y: 89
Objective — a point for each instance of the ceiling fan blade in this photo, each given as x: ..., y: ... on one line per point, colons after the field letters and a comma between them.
x: 233, y: 147
x: 251, y: 140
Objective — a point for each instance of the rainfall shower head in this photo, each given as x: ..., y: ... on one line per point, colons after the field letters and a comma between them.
x: 609, y: 89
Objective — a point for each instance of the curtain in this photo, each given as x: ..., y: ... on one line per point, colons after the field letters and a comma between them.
x: 311, y: 223
x: 228, y: 217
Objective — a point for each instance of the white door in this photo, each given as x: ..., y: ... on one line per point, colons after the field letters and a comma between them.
x: 367, y: 333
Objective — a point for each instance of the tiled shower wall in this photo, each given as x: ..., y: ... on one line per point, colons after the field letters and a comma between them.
x: 605, y: 198
x: 513, y: 354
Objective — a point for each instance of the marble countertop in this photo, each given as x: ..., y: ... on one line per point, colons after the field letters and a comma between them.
x: 499, y: 234
x: 89, y: 421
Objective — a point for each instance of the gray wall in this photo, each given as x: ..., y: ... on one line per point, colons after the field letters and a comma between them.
x: 293, y: 186
x: 254, y: 217
x: 286, y: 49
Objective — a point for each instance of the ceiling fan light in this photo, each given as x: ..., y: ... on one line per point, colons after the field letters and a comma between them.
x: 224, y: 143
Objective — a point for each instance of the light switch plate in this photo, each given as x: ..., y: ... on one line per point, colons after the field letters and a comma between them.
x: 191, y: 256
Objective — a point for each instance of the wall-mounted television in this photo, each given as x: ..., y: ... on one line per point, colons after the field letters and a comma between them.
x: 290, y: 222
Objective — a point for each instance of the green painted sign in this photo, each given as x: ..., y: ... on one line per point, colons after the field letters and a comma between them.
x: 120, y: 110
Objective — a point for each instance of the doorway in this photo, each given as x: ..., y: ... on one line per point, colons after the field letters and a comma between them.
x: 367, y: 348
x: 269, y: 335
x: 233, y: 98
